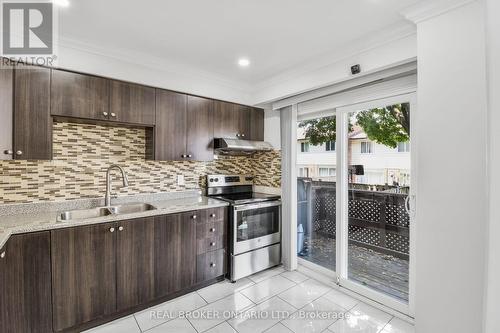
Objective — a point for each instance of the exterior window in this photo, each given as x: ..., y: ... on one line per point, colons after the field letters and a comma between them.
x: 366, y: 147
x: 403, y: 147
x: 330, y: 146
x: 304, y: 172
x: 327, y: 172
x: 304, y: 147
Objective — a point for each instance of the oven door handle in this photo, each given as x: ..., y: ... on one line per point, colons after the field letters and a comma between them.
x: 257, y: 206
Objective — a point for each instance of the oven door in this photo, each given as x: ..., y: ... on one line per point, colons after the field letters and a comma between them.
x: 256, y: 226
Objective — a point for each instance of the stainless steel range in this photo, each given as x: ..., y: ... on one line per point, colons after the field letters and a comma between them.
x: 254, y: 224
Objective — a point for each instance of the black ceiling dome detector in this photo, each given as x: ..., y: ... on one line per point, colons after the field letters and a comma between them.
x: 356, y: 69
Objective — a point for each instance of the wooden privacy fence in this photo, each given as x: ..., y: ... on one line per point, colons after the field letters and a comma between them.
x: 377, y: 220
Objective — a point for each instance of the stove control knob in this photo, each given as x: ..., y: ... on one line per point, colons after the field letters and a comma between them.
x: 211, y: 180
x: 216, y: 179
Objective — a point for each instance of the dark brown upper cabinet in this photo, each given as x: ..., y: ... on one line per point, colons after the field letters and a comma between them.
x: 175, y: 249
x: 79, y: 96
x: 132, y: 103
x: 25, y: 284
x: 234, y: 121
x: 170, y: 132
x: 6, y: 112
x: 135, y: 263
x: 184, y: 127
x: 83, y: 274
x: 200, y: 129
x: 257, y: 124
x: 32, y: 120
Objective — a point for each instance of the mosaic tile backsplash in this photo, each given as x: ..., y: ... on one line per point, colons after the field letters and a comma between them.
x: 83, y: 152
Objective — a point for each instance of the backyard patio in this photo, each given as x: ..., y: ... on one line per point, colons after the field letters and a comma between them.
x: 378, y: 254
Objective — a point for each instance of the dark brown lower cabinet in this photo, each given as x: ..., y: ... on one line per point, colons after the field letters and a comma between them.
x: 66, y: 279
x: 135, y: 262
x: 175, y: 253
x: 25, y: 304
x: 83, y: 274
x: 210, y: 265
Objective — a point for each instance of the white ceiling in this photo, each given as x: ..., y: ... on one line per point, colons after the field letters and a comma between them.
x: 210, y: 35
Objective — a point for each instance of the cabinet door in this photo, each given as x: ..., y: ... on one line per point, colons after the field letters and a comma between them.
x: 79, y: 95
x: 134, y: 263
x: 244, y: 121
x: 132, y: 103
x: 32, y: 120
x: 200, y: 129
x: 26, y: 287
x: 175, y: 253
x: 226, y: 121
x: 170, y: 130
x: 6, y: 112
x: 257, y: 124
x: 83, y: 274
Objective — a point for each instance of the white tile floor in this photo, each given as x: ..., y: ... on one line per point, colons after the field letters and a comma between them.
x: 273, y: 301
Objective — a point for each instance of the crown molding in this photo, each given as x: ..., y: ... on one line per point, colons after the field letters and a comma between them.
x: 152, y: 62
x: 431, y: 8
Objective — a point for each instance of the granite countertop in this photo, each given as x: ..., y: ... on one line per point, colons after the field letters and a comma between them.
x: 22, y: 218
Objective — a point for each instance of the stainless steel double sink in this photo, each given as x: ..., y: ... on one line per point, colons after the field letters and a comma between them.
x: 82, y: 214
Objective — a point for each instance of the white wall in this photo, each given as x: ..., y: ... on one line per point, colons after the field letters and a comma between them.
x: 451, y: 204
x: 272, y: 128
x: 493, y: 56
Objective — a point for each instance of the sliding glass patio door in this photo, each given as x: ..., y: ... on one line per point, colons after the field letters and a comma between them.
x: 375, y: 184
x: 316, y: 191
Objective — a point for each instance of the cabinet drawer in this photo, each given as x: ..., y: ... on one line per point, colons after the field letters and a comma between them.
x: 210, y: 265
x: 210, y: 236
x: 213, y: 214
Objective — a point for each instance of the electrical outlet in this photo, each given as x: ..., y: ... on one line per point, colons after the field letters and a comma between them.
x: 180, y: 180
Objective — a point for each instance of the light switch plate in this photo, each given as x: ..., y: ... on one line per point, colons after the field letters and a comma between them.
x: 180, y: 180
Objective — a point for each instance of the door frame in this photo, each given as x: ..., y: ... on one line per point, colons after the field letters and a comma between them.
x: 342, y: 206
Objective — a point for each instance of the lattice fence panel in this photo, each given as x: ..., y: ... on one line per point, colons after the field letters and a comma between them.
x: 399, y: 243
x: 364, y: 235
x: 365, y: 210
x: 397, y: 215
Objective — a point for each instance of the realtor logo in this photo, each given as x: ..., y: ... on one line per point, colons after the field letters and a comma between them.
x: 27, y: 28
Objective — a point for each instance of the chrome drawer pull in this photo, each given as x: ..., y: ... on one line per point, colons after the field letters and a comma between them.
x: 212, y: 264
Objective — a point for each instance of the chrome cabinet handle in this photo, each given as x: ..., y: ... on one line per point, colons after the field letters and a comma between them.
x: 190, y: 156
x: 243, y: 135
x: 212, y: 264
x: 212, y: 244
x: 193, y: 217
x: 183, y: 156
x: 2, y: 255
x: 120, y: 228
x: 113, y: 114
x: 111, y: 229
x: 238, y: 135
x: 212, y: 229
x: 8, y: 152
x: 19, y: 152
x: 212, y: 215
x: 105, y: 114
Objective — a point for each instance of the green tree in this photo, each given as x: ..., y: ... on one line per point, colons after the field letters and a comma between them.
x: 386, y: 126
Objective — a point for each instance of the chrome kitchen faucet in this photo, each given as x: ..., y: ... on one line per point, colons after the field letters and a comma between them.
x: 107, y: 198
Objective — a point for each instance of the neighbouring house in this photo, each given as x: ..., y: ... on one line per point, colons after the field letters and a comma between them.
x: 382, y: 164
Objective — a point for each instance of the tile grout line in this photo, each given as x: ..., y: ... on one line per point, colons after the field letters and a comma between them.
x: 137, y: 323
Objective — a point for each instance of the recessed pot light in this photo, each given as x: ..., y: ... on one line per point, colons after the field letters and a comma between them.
x: 62, y: 3
x: 243, y: 62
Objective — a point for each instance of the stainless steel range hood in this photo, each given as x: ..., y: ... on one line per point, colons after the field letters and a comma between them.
x: 240, y: 147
